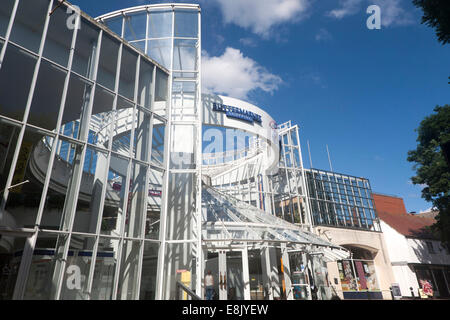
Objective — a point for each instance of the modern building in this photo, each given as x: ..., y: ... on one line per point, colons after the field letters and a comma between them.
x: 344, y: 213
x: 420, y: 262
x: 108, y: 189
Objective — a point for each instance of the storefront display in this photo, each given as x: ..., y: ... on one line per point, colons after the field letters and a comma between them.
x: 357, y: 275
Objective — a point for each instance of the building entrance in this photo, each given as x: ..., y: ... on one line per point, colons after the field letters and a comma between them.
x: 227, y: 269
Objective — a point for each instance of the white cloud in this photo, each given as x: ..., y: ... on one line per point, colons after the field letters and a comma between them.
x: 323, y: 35
x: 347, y: 7
x: 261, y: 15
x: 392, y: 12
x: 248, y: 42
x: 235, y: 75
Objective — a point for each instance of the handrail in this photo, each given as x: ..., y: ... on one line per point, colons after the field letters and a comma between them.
x: 180, y: 286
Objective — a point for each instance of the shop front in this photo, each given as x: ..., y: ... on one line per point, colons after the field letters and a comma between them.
x: 358, y: 276
x: 433, y: 280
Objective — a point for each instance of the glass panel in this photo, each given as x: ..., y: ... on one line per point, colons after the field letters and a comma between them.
x: 142, y: 135
x: 29, y: 24
x: 92, y: 181
x: 299, y: 276
x: 11, y: 249
x: 139, y: 45
x: 56, y: 213
x: 346, y: 274
x: 79, y: 260
x: 78, y: 96
x: 105, y: 266
x: 115, y: 24
x: 47, y: 96
x: 85, y: 50
x: 186, y: 24
x: 161, y: 87
x: 178, y: 267
x: 59, y: 38
x: 185, y: 55
x: 44, y: 269
x: 102, y: 117
x: 123, y: 124
x: 29, y: 176
x: 158, y: 144
x: 5, y: 14
x: 159, y: 50
x: 137, y: 202
x: 154, y: 205
x: 145, y: 84
x: 182, y: 155
x: 255, y: 275
x: 8, y: 141
x: 108, y: 62
x: 14, y: 89
x: 135, y: 26
x: 160, y: 24
x: 128, y: 73
x: 115, y: 195
x: 148, y: 276
x: 128, y: 277
x: 235, y: 277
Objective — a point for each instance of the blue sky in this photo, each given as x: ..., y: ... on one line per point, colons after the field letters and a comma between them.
x: 361, y: 91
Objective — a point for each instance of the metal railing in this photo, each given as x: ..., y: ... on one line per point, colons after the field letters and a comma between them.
x: 181, y: 288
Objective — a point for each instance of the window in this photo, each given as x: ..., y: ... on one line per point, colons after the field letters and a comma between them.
x: 430, y: 247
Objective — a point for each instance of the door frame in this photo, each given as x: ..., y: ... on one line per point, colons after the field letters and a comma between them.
x: 223, y: 272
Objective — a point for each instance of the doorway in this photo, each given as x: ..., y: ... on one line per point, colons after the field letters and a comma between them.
x: 228, y: 270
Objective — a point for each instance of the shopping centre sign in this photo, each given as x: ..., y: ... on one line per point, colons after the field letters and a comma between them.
x: 237, y: 113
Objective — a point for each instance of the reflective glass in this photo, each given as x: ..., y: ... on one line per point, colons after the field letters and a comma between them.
x: 159, y: 50
x: 148, y: 276
x: 59, y: 40
x: 105, y: 266
x: 85, y: 50
x: 14, y: 90
x: 115, y: 24
x: 186, y: 23
x: 160, y: 24
x: 29, y: 23
x: 11, y: 250
x: 77, y: 268
x: 106, y: 75
x: 28, y: 180
x: 135, y: 25
x: 115, y: 195
x: 129, y: 270
x: 92, y: 181
x: 5, y: 14
x: 185, y: 55
x: 128, y: 73
x: 145, y: 84
x: 47, y: 96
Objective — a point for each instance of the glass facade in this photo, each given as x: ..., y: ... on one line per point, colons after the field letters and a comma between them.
x: 341, y: 200
x: 170, y: 34
x: 80, y: 168
x: 282, y: 194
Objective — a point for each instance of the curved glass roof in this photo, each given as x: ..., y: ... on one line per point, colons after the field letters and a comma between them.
x: 229, y: 220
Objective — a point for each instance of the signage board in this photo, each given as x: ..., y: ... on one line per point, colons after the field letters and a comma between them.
x: 237, y: 113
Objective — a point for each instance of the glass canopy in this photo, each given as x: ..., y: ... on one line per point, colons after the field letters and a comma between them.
x: 229, y: 221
